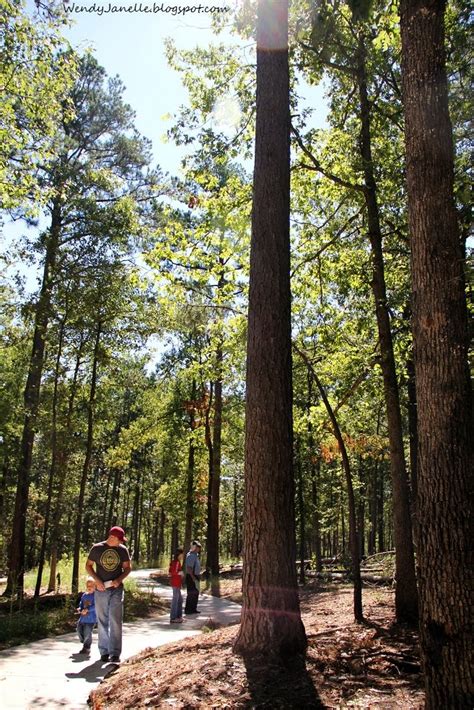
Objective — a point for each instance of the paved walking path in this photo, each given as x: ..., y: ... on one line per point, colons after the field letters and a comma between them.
x: 51, y: 674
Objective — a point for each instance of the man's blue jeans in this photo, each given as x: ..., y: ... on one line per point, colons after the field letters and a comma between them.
x: 109, y: 611
x: 176, y: 604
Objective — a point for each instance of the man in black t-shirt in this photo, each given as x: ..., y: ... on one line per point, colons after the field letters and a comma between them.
x: 112, y: 565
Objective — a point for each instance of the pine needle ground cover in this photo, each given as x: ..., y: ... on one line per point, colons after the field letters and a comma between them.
x: 373, y: 665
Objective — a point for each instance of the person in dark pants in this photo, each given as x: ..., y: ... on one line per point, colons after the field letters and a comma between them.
x: 193, y: 571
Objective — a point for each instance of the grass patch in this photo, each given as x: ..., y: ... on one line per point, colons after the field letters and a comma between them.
x: 140, y: 603
x: 30, y: 625
x: 64, y: 569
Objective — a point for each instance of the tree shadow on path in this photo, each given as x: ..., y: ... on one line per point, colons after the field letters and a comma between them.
x: 274, y: 687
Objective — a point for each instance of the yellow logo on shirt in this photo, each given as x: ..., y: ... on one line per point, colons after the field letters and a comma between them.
x: 110, y: 560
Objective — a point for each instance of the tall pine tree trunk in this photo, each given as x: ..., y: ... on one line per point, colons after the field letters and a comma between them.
x: 406, y: 595
x: 443, y: 389
x: 271, y: 624
x: 31, y: 402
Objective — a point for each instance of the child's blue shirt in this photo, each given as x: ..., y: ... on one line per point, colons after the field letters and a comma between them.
x: 88, y: 602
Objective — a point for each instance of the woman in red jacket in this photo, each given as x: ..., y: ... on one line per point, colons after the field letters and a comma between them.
x: 176, y: 574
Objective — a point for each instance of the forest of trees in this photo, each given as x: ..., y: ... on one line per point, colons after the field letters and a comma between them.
x: 125, y: 361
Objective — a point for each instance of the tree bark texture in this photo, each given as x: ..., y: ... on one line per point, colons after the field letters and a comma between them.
x: 443, y: 390
x: 271, y: 624
x: 406, y: 594
x: 31, y: 402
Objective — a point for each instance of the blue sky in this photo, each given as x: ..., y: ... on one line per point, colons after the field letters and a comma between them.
x: 132, y: 46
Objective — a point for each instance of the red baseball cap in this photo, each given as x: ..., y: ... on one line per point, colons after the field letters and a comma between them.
x: 118, y: 532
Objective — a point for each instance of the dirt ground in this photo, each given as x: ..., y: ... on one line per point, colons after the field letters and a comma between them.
x: 373, y: 665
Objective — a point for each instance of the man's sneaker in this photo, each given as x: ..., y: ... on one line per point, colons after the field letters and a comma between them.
x: 85, y: 650
x: 104, y: 657
x: 114, y: 659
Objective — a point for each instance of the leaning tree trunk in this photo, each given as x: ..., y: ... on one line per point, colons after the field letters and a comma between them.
x: 271, y: 622
x: 406, y: 595
x: 87, y: 461
x: 31, y: 402
x: 353, y: 535
x: 443, y: 390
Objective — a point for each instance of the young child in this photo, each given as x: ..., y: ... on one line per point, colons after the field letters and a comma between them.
x: 87, y: 617
x: 176, y: 574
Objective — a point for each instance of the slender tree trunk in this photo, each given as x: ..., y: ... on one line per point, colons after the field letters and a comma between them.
x: 302, y: 517
x: 342, y: 509
x: 412, y: 429
x: 87, y: 461
x: 161, y: 536
x: 373, y: 509
x: 103, y: 522
x: 189, y: 515
x: 125, y: 504
x: 210, y: 462
x: 54, y: 459
x: 3, y: 495
x: 315, y: 474
x: 443, y: 388
x: 174, y: 539
x: 114, y: 499
x: 353, y: 535
x: 271, y: 624
x: 380, y: 509
x: 406, y: 595
x: 316, y: 521
x: 140, y: 523
x: 236, y: 547
x: 136, y: 520
x: 62, y: 467
x: 215, y: 482
x: 31, y: 402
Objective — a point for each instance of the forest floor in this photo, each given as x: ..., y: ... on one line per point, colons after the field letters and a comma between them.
x: 370, y: 665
